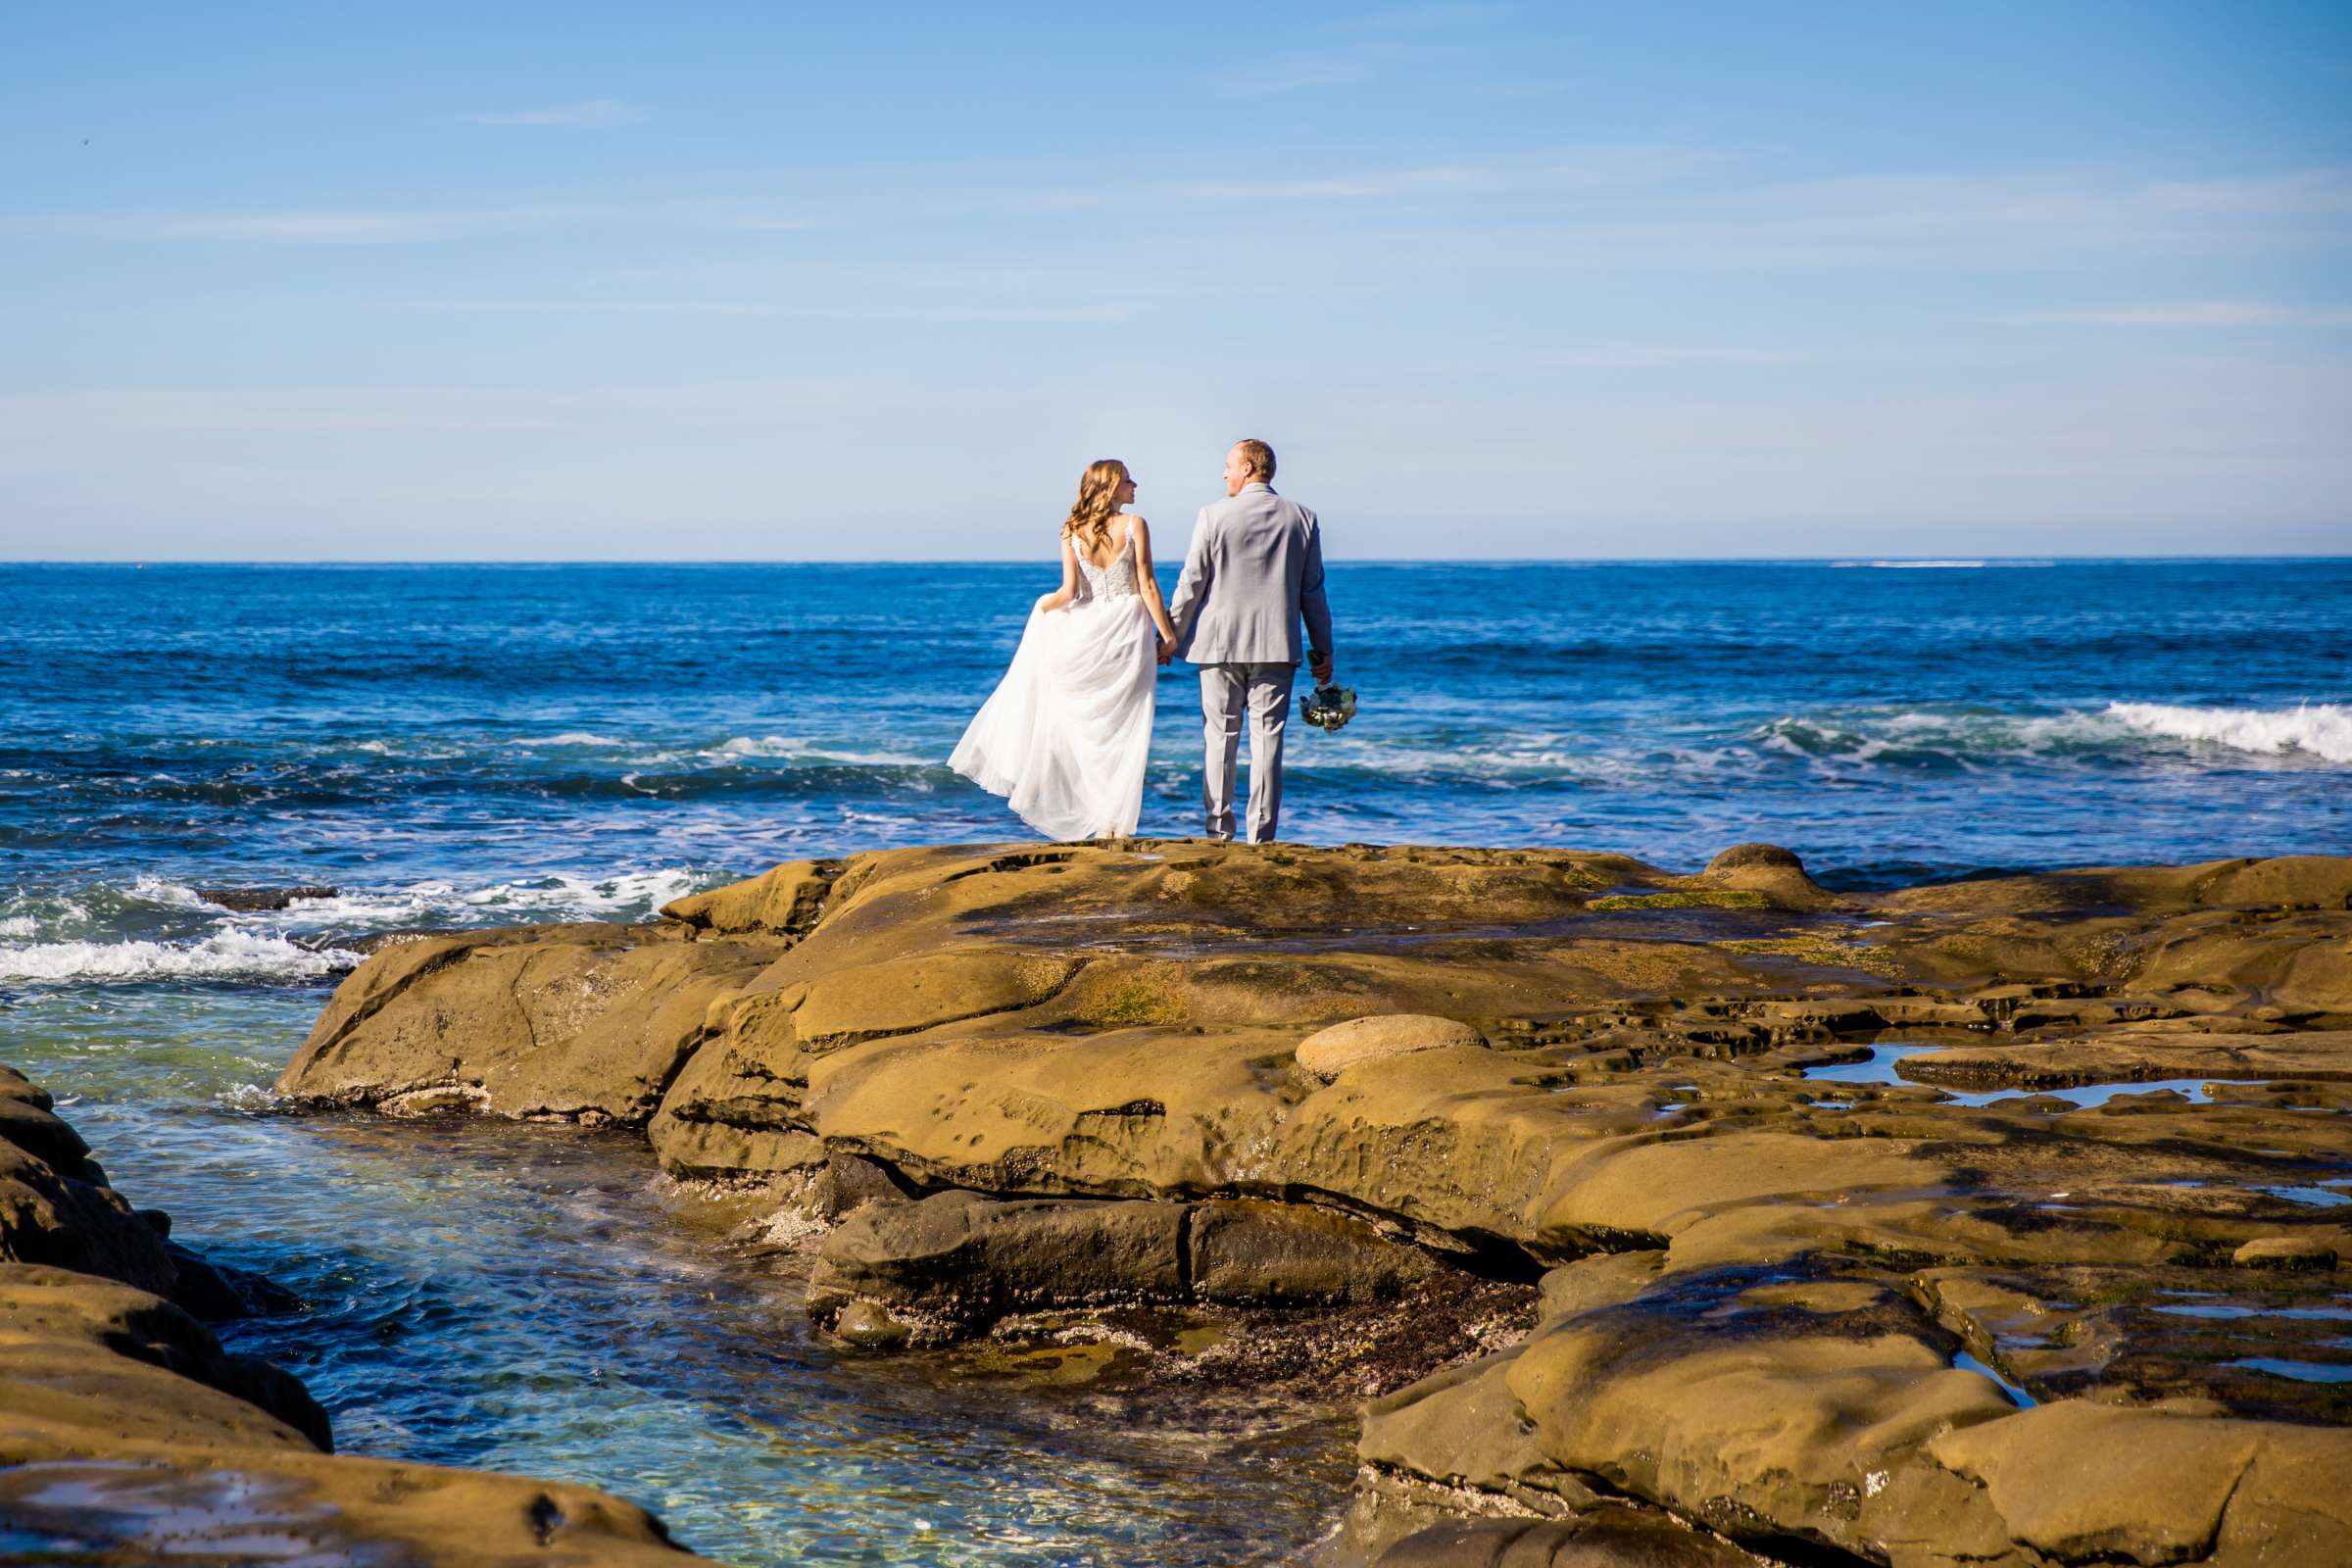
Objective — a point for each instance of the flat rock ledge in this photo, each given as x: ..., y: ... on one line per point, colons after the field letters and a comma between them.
x: 127, y: 1434
x: 1991, y: 1223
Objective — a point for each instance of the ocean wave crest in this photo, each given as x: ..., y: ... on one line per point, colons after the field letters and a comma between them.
x: 1968, y: 737
x: 575, y: 737
x: 2321, y: 729
x: 155, y: 915
x: 1923, y: 735
x: 559, y: 896
x: 222, y: 956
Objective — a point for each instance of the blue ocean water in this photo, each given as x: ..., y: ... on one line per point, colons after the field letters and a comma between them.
x: 464, y: 745
x: 390, y: 726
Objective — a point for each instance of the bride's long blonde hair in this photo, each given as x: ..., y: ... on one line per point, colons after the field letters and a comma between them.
x: 1098, y: 502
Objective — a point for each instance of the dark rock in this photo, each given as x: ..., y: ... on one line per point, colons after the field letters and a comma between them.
x: 42, y: 1133
x: 221, y: 1292
x: 849, y: 1183
x: 1606, y: 1537
x: 869, y: 1326
x: 958, y: 1262
x: 1264, y: 1254
x: 254, y: 901
x: 47, y: 1216
x: 366, y: 943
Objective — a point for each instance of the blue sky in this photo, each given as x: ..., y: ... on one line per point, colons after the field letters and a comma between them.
x: 762, y: 281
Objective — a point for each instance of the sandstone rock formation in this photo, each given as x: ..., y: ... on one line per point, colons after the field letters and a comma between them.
x: 1994, y: 1222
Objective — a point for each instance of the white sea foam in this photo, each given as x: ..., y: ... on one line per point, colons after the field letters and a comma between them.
x: 632, y: 893
x: 250, y: 1097
x: 160, y: 928
x: 2319, y: 729
x: 1959, y: 736
x: 222, y: 956
x: 625, y: 896
x: 791, y: 749
x: 574, y: 737
x: 759, y: 746
x: 171, y: 894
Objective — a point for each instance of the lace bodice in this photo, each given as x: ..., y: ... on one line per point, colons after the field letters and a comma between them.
x: 1116, y: 580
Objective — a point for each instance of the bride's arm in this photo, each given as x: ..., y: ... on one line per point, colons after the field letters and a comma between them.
x: 1069, y: 578
x: 1147, y: 584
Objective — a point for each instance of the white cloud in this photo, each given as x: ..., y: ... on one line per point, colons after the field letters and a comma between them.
x: 774, y: 223
x: 114, y: 418
x: 346, y: 227
x: 1264, y: 78
x: 2190, y: 313
x: 589, y: 114
x: 1582, y: 170
x: 1999, y: 220
x: 1419, y: 18
x: 1667, y: 355
x: 983, y: 314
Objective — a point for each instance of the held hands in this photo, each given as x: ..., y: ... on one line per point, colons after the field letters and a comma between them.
x: 1165, y: 651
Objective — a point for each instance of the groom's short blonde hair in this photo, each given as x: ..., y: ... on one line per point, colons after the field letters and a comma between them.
x: 1260, y: 457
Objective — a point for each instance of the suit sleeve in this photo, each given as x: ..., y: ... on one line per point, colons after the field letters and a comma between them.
x: 1311, y: 603
x: 1191, y: 585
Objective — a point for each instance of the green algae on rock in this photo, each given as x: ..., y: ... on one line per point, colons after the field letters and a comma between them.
x: 1767, y: 1297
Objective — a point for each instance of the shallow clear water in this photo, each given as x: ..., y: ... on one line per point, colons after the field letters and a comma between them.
x: 464, y: 746
x: 530, y: 1298
x: 1881, y: 1067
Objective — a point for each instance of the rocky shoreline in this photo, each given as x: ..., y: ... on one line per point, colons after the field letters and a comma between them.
x: 128, y: 1435
x: 1658, y: 1218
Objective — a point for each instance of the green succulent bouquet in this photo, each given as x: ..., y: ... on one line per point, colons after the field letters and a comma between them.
x: 1328, y: 708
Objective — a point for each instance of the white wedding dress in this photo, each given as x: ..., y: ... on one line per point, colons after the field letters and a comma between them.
x: 1066, y: 733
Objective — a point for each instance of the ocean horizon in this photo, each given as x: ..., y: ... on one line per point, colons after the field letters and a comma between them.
x: 1045, y: 563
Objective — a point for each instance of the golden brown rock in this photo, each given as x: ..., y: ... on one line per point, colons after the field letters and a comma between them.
x: 1329, y: 1052
x: 1633, y: 1064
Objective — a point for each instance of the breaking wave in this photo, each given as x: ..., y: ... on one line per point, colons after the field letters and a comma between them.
x: 2121, y: 731
x: 157, y: 927
x: 2321, y: 729
x: 222, y: 956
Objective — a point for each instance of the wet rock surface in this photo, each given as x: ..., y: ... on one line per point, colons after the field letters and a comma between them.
x: 1993, y: 1222
x: 250, y: 900
x: 127, y: 1435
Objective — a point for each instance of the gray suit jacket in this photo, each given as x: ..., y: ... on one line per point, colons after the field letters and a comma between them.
x: 1255, y: 567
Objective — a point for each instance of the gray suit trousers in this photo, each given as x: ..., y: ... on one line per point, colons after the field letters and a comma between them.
x: 1226, y: 691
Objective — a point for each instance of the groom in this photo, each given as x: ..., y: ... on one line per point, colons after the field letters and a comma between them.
x: 1255, y: 567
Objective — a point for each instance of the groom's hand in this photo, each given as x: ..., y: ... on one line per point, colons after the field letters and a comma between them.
x: 1320, y: 666
x: 1166, y: 651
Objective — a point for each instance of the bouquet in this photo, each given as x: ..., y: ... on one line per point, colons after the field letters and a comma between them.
x: 1328, y: 708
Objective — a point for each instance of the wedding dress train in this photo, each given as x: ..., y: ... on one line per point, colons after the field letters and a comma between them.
x: 1065, y: 735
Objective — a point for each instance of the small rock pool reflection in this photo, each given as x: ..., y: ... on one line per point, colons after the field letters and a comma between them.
x: 1884, y: 1066
x: 538, y: 1300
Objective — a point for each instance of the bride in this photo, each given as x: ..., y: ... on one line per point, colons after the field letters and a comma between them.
x: 1065, y: 735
